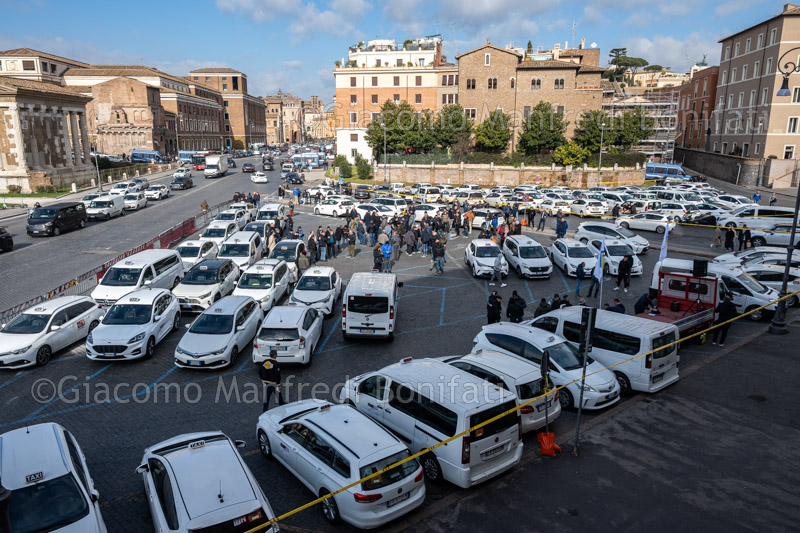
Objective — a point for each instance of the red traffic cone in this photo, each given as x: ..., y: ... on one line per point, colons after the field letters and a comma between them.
x: 547, y: 444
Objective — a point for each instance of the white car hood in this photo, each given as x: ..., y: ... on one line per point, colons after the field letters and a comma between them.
x: 486, y: 261
x: 311, y: 297
x: 116, y: 334
x: 256, y: 294
x: 193, y: 291
x: 88, y: 524
x: 596, y: 375
x: 535, y: 262
x: 203, y: 344
x: 12, y: 341
x: 110, y: 292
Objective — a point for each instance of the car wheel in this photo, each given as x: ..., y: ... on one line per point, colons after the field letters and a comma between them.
x: 730, y: 225
x: 474, y: 272
x: 624, y: 384
x: 56, y: 231
x: 150, y: 349
x: 176, y: 282
x: 234, y: 355
x: 432, y: 469
x: 676, y: 219
x: 121, y: 213
x: 565, y: 399
x: 316, y: 211
x: 43, y: 355
x: 93, y: 325
x: 335, y: 214
x: 759, y: 241
x: 624, y: 225
x: 585, y: 240
x: 605, y: 269
x: 7, y: 245
x: 793, y: 301
x: 756, y: 316
x: 264, y: 445
x: 660, y: 229
x: 176, y: 323
x: 329, y: 508
x: 82, y: 223
x: 519, y: 271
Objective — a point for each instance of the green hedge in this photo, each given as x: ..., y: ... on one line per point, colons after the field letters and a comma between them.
x: 513, y: 160
x: 627, y: 160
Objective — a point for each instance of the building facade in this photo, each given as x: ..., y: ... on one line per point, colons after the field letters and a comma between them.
x: 28, y: 64
x: 244, y: 115
x: 749, y: 118
x: 695, y: 108
x: 273, y: 109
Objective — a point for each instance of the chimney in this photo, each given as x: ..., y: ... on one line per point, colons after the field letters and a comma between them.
x: 556, y: 51
x: 788, y: 7
x: 583, y: 43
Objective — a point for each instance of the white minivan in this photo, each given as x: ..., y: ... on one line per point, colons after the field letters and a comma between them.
x: 105, y: 207
x: 426, y: 401
x: 243, y: 248
x: 527, y: 257
x: 369, y: 306
x: 153, y: 268
x: 617, y: 340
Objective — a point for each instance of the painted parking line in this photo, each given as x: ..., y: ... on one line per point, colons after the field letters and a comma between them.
x: 59, y: 396
x: 330, y: 333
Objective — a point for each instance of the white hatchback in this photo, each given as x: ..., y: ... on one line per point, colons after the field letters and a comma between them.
x: 239, y: 216
x: 600, y: 230
x: 319, y: 288
x: 259, y: 177
x: 567, y: 254
x: 193, y: 252
x: 291, y: 330
x: 135, y: 201
x: 335, y: 207
x: 219, y: 230
x: 480, y: 256
x: 134, y: 325
x: 267, y: 281
x: 650, y: 221
x: 157, y: 192
x: 614, y: 252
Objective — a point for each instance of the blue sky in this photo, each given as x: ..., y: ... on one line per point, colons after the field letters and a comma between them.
x: 292, y: 44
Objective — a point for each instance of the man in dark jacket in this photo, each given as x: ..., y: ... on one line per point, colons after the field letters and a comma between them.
x: 726, y: 310
x: 580, y: 275
x: 561, y: 228
x: 556, y: 303
x: 542, y: 309
x: 438, y: 256
x: 624, y: 272
x: 494, y: 307
x: 270, y: 375
x: 516, y: 308
x: 313, y: 253
x: 615, y: 211
x: 617, y: 307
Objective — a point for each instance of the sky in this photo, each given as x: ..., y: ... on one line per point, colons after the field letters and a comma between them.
x: 291, y: 45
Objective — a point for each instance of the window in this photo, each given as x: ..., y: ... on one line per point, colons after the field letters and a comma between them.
x: 724, y: 148
x: 724, y: 78
x: 558, y: 83
x: 44, y: 66
x: 747, y: 46
x: 471, y: 112
x: 760, y: 41
x: 758, y: 149
x: 741, y: 100
x: 492, y: 83
x: 354, y: 137
x: 730, y: 101
x: 744, y: 72
x: 76, y: 461
x: 166, y: 496
x: 513, y: 81
x: 224, y: 86
x: 227, y: 116
x: 227, y: 127
x: 374, y: 386
x: 560, y: 110
x: 788, y: 152
x: 28, y: 65
x: 396, y: 81
x: 721, y: 101
x: 487, y: 60
x: 745, y: 149
x: 374, y: 81
x: 196, y: 78
x: 736, y: 50
x: 399, y: 63
x: 353, y: 118
x: 792, y: 125
x: 752, y: 98
x: 471, y: 83
x: 796, y: 95
x: 353, y: 99
x: 375, y: 117
x: 526, y: 112
x: 418, y: 81
x: 353, y: 152
x: 374, y: 98
x: 756, y: 69
x: 768, y: 65
x: 773, y: 35
x: 727, y: 53
x: 536, y: 84
x: 396, y: 98
x: 764, y: 96
x: 225, y: 103
x: 352, y: 81
x: 235, y: 80
x: 733, y: 76
x: 417, y: 98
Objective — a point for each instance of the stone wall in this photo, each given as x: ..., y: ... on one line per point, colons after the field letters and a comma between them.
x: 781, y: 173
x: 720, y: 166
x: 490, y: 175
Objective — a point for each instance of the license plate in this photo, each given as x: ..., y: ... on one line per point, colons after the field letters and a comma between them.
x: 399, y: 499
x: 283, y: 348
x: 540, y: 407
x: 366, y: 331
x: 494, y: 451
x: 186, y: 306
x: 612, y: 395
x: 109, y: 354
x: 195, y: 363
x: 658, y: 378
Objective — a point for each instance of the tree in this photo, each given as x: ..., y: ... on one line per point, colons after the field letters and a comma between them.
x: 649, y: 68
x: 589, y: 130
x: 493, y: 134
x: 452, y: 126
x: 530, y: 48
x: 632, y: 128
x: 362, y: 168
x: 406, y: 131
x: 634, y: 63
x: 616, y: 55
x: 407, y: 42
x: 542, y: 130
x: 570, y: 154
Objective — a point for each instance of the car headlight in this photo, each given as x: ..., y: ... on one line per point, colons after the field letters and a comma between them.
x: 218, y: 352
x: 137, y: 338
x: 89, y: 339
x: 21, y: 350
x: 292, y: 298
x: 327, y: 299
x: 180, y: 350
x: 206, y: 295
x: 266, y: 298
x: 46, y: 224
x: 588, y: 388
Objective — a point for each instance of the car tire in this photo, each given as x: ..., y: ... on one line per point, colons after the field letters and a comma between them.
x: 7, y: 245
x: 624, y: 225
x: 43, y: 355
x: 82, y: 224
x: 660, y: 229
x: 585, y: 240
x: 316, y: 211
x: 150, y: 348
x: 176, y: 323
x: 329, y: 508
x: 793, y: 301
x: 121, y: 213
x: 624, y: 384
x: 565, y: 399
x: 474, y: 272
x: 234, y: 355
x: 264, y: 445
x: 93, y: 325
x: 756, y: 316
x: 730, y: 225
x: 335, y: 214
x: 676, y: 219
x: 176, y: 282
x: 606, y: 271
x: 519, y: 272
x: 56, y: 231
x: 759, y: 241
x: 432, y: 469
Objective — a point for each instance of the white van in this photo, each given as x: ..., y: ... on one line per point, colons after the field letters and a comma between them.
x: 527, y: 257
x: 617, y: 339
x: 153, y: 268
x: 757, y: 216
x: 426, y: 401
x: 369, y: 306
x: 746, y: 292
x: 105, y: 207
x: 243, y: 248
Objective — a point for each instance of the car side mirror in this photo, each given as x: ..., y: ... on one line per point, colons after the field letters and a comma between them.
x: 55, y: 327
x: 141, y: 469
x: 148, y: 282
x: 187, y: 326
x: 239, y: 328
x: 240, y: 444
x: 95, y: 496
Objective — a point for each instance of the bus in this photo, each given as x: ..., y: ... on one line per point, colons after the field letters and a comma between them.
x: 312, y: 159
x: 146, y: 156
x: 186, y: 155
x: 664, y: 171
x: 199, y: 158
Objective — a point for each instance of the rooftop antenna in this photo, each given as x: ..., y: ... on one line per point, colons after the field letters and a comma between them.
x: 574, y: 27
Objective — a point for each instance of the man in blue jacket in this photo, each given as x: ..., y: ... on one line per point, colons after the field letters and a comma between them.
x: 386, y: 251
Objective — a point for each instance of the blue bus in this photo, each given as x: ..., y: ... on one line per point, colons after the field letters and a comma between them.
x: 146, y: 156
x: 664, y: 171
x: 311, y: 159
x: 186, y: 155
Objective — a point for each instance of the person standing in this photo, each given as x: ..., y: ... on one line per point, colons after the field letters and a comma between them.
x: 747, y: 236
x: 717, y: 238
x: 270, y: 376
x: 740, y: 238
x: 377, y: 258
x: 773, y: 200
x: 580, y: 275
x: 351, y: 244
x: 615, y: 211
x: 726, y: 310
x: 494, y: 308
x: 624, y: 272
x: 303, y: 263
x: 497, y: 271
x: 542, y: 308
x: 556, y: 302
x: 757, y: 197
x: 438, y: 256
x: 561, y: 228
x: 516, y: 308
x: 594, y: 284
x: 542, y: 219
x: 386, y: 251
x: 729, y: 237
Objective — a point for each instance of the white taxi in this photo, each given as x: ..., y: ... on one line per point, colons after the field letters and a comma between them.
x: 157, y: 192
x: 291, y: 330
x: 121, y: 189
x: 33, y: 336
x: 199, y: 482
x: 182, y: 173
x: 193, y: 252
x: 134, y: 325
x: 205, y: 283
x: 319, y: 288
x: 334, y: 207
x: 267, y: 281
x: 259, y: 177
x: 51, y: 489
x: 527, y: 257
x: 219, y: 334
x: 614, y: 252
x: 328, y: 447
x: 569, y: 253
x: 239, y: 216
x: 135, y: 201
x: 219, y: 230
x: 480, y: 256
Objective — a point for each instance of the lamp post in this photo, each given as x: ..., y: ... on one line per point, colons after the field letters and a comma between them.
x: 600, y: 159
x: 778, y: 325
x: 383, y: 123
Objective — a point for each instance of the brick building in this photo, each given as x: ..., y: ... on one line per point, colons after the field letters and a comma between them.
x: 28, y: 64
x: 244, y: 119
x: 44, y: 138
x: 749, y: 118
x: 515, y: 81
x: 695, y: 108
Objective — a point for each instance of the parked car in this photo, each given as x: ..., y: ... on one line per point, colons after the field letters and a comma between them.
x: 56, y: 218
x: 361, y: 192
x: 294, y: 331
x: 615, y: 250
x: 480, y: 256
x: 569, y: 253
x: 650, y: 221
x: 319, y: 287
x: 6, y: 241
x: 267, y: 281
x: 157, y: 192
x: 527, y: 257
x: 135, y: 201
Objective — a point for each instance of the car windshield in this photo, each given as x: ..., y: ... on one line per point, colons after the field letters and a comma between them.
x: 212, y: 324
x: 579, y: 252
x: 234, y: 250
x: 127, y: 314
x: 122, y: 277
x: 214, y: 232
x: 532, y: 252
x: 618, y: 249
x: 121, y: 186
x: 389, y: 477
x: 178, y: 179
x: 89, y: 197
x: 27, y: 323
x: 44, y: 212
x: 314, y: 283
x: 258, y: 227
x: 254, y: 280
x: 691, y: 197
x: 47, y: 506
x: 188, y: 251
x: 487, y: 251
x: 625, y: 232
x: 752, y: 284
x: 278, y: 334
x: 566, y: 356
x: 132, y: 197
x: 267, y: 215
x: 201, y: 275
x: 103, y: 203
x: 285, y: 252
x: 226, y: 216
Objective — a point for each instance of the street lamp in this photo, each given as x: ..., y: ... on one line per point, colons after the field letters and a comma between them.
x: 600, y: 160
x: 383, y: 123
x: 778, y: 325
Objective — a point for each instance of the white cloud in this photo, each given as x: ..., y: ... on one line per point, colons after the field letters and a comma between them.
x: 406, y: 14
x: 669, y: 51
x: 261, y: 10
x: 295, y: 63
x: 734, y: 6
x: 339, y: 18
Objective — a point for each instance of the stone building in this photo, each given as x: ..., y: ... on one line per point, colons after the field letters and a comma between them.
x: 273, y: 114
x: 44, y: 137
x: 695, y: 108
x: 28, y: 64
x: 244, y: 116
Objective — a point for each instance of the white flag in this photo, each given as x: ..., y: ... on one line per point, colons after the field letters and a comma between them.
x: 663, y: 254
x: 598, y: 266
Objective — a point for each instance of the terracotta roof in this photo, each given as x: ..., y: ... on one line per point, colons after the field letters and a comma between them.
x: 607, y: 85
x: 211, y: 70
x: 190, y: 95
x: 548, y: 63
x: 15, y: 84
x: 591, y: 68
x: 491, y: 46
x: 121, y: 70
x: 32, y: 52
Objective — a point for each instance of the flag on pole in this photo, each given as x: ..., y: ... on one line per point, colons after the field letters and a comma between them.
x: 663, y: 254
x: 598, y: 266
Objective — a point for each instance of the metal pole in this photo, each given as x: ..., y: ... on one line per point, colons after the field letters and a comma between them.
x: 778, y: 325
x: 97, y: 168
x: 587, y: 328
x: 384, y: 152
x: 600, y: 160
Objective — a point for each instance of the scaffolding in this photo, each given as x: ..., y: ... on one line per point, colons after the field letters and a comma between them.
x: 662, y: 107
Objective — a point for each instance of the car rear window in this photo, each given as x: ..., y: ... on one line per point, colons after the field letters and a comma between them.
x: 660, y: 342
x: 495, y: 427
x: 392, y: 476
x: 278, y: 334
x: 527, y: 391
x: 368, y: 305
